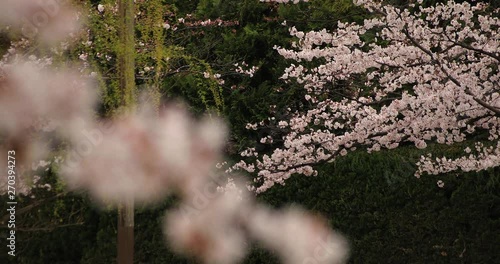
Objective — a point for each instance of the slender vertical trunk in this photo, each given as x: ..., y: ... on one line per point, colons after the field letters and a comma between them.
x: 126, y: 73
x: 126, y: 233
x: 126, y: 53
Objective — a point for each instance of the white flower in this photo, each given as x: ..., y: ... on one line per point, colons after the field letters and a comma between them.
x: 100, y: 8
x: 440, y: 184
x: 83, y: 57
x: 296, y: 237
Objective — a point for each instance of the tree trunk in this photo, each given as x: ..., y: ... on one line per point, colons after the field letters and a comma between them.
x: 126, y: 233
x: 126, y: 53
x: 126, y: 74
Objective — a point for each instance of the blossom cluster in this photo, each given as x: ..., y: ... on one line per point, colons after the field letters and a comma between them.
x: 220, y: 230
x: 37, y: 100
x: 27, y: 184
x: 485, y: 158
x: 216, y: 77
x: 189, y: 21
x: 144, y: 157
x: 51, y: 21
x: 430, y: 74
x: 284, y: 1
x: 243, y: 68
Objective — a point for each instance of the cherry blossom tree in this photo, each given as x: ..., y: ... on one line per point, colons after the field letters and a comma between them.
x: 414, y: 75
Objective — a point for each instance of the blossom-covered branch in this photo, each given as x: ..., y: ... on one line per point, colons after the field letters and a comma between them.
x: 418, y: 74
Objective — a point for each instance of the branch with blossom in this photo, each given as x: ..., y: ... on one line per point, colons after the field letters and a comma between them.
x: 430, y: 74
x: 285, y: 1
x: 245, y: 69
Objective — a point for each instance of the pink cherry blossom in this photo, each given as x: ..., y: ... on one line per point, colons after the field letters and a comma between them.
x: 435, y: 79
x: 51, y: 20
x: 144, y: 157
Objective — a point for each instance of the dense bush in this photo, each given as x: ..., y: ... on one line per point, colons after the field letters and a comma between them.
x: 388, y: 215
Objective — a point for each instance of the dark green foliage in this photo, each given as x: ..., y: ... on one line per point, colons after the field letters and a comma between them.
x: 4, y: 42
x: 390, y: 216
x: 321, y: 14
x: 53, y: 231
